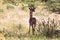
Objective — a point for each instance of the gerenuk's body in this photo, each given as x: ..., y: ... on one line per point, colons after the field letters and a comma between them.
x: 32, y: 20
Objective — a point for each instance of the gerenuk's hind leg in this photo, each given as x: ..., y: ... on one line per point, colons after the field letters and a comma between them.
x: 29, y: 29
x: 32, y: 29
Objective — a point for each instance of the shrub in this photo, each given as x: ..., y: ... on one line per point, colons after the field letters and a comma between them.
x: 1, y: 10
x: 47, y: 28
x: 10, y: 7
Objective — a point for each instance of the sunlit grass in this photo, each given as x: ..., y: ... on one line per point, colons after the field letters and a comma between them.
x: 12, y: 25
x: 10, y: 7
x: 31, y: 38
x: 1, y: 10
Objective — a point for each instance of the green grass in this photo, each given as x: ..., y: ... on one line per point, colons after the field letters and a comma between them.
x: 27, y: 38
x: 33, y: 37
x: 10, y: 7
x: 1, y: 10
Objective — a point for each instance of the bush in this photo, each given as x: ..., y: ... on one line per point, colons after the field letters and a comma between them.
x: 14, y: 2
x: 13, y: 33
x: 10, y: 7
x: 47, y: 28
x: 1, y: 10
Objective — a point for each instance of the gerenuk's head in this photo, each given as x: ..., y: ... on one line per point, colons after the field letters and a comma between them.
x: 32, y: 8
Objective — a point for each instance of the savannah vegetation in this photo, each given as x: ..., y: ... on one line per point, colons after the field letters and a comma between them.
x: 14, y: 16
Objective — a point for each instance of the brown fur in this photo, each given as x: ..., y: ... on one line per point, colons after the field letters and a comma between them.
x: 32, y: 20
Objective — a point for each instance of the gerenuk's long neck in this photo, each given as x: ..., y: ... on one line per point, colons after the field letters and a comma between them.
x: 31, y: 14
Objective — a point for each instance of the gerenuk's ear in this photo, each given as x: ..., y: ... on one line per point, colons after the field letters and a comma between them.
x: 29, y: 8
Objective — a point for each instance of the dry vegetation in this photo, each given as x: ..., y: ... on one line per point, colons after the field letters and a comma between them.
x: 14, y: 22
